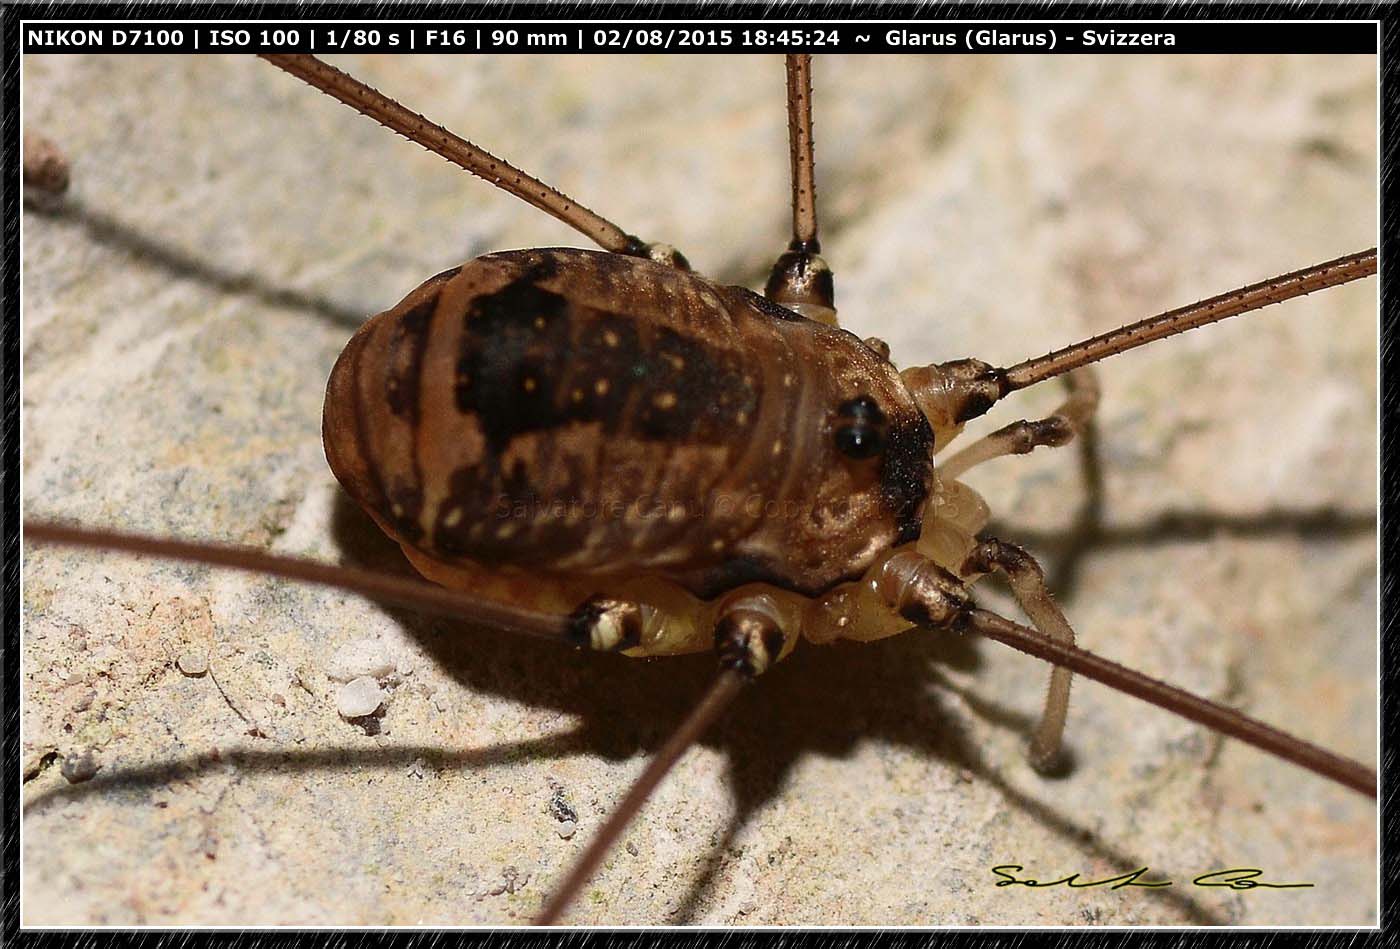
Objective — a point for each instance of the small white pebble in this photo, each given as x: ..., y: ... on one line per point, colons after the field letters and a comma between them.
x: 358, y: 698
x: 363, y: 657
x: 405, y: 667
x: 193, y: 662
x: 566, y: 829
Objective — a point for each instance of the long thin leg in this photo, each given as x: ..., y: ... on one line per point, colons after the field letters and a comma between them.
x: 414, y: 127
x: 1027, y: 581
x: 804, y: 187
x: 726, y: 686
x: 1256, y: 296
x: 1058, y: 428
x: 955, y: 392
x: 924, y: 593
x: 416, y: 594
x: 748, y: 639
x: 801, y: 279
x: 1226, y: 721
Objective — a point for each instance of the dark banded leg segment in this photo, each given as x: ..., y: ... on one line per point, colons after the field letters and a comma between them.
x: 606, y: 625
x: 1027, y: 582
x: 748, y: 638
x: 749, y: 635
x: 1019, y: 438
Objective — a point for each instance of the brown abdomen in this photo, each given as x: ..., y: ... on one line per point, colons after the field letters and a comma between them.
x: 555, y: 410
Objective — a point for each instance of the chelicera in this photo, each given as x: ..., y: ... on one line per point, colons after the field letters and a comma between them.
x: 871, y: 431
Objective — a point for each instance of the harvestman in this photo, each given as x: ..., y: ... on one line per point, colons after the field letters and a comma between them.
x: 974, y: 388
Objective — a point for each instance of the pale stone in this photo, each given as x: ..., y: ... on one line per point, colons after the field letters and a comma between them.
x: 359, y: 697
x: 193, y: 662
x: 363, y: 657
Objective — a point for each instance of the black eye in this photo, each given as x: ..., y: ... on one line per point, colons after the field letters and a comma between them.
x: 860, y: 428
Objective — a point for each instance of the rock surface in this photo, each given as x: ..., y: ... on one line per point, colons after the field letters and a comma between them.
x: 226, y: 229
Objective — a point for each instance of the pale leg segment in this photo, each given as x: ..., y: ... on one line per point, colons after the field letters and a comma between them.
x: 1027, y: 582
x: 922, y: 592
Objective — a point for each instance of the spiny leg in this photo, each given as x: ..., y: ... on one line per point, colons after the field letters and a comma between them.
x: 956, y: 392
x: 1332, y: 273
x: 1060, y: 427
x: 416, y: 594
x: 800, y: 279
x: 1027, y: 582
x: 416, y: 128
x: 748, y: 639
x: 804, y: 187
x: 924, y: 593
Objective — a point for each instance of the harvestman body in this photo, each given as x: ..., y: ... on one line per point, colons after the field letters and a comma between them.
x: 609, y: 448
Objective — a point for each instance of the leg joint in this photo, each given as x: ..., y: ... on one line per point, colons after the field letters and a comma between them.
x: 606, y: 625
x: 992, y: 554
x: 923, y: 592
x: 748, y: 640
x: 1027, y: 435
